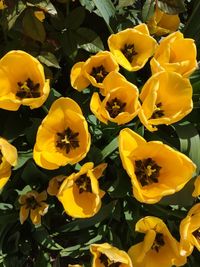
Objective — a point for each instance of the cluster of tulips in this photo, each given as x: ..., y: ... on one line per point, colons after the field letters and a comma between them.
x: 155, y: 169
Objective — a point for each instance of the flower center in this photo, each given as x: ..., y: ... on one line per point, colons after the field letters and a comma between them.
x: 67, y: 140
x: 147, y: 171
x: 107, y: 262
x: 196, y: 234
x: 28, y: 89
x: 115, y: 106
x: 99, y: 73
x: 129, y: 51
x: 158, y: 242
x: 158, y: 112
x: 1, y: 157
x: 31, y: 203
x: 84, y: 184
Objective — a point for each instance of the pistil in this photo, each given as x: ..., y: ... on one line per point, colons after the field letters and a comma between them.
x: 99, y: 73
x: 84, y: 184
x: 115, y: 106
x: 158, y: 242
x: 28, y: 89
x: 67, y: 140
x: 129, y: 51
x: 158, y: 112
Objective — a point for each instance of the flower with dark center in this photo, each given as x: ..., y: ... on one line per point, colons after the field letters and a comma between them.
x: 67, y: 140
x: 84, y: 184
x: 129, y: 51
x: 158, y: 112
x: 31, y: 203
x: 114, y: 107
x: 158, y: 242
x: 107, y: 262
x: 99, y: 73
x: 147, y: 171
x: 28, y: 89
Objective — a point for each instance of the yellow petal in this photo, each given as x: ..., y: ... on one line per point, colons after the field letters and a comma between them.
x: 78, y: 80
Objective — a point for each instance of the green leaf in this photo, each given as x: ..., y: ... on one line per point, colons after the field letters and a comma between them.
x: 110, y: 148
x: 17, y: 11
x: 189, y: 141
x: 171, y: 6
x: 42, y: 260
x: 125, y: 3
x: 33, y: 27
x: 49, y: 59
x: 22, y: 159
x: 46, y: 5
x: 75, y: 18
x: 42, y: 236
x: 148, y: 10
x: 107, y: 11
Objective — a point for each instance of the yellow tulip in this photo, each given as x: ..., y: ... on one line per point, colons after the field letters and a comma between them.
x: 22, y: 81
x: 80, y: 194
x: 156, y: 170
x: 132, y: 47
x: 93, y: 71
x: 107, y: 255
x: 62, y: 137
x: 159, y: 247
x: 161, y: 23
x: 2, y: 5
x: 190, y: 231
x: 8, y: 158
x: 33, y: 203
x: 166, y: 98
x: 120, y: 104
x: 175, y: 53
x: 196, y: 191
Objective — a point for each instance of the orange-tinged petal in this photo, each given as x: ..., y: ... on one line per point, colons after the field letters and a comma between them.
x: 23, y: 214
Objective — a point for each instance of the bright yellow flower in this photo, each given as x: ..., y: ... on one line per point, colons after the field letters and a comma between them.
x: 190, y: 231
x: 94, y: 70
x: 22, y: 81
x: 162, y: 23
x: 2, y: 5
x: 40, y: 15
x: 196, y: 191
x: 121, y: 103
x: 156, y: 170
x: 132, y: 47
x: 175, y: 53
x: 158, y: 249
x: 80, y: 194
x: 54, y: 185
x: 62, y: 137
x: 107, y: 255
x: 166, y: 98
x: 8, y: 158
x: 33, y: 203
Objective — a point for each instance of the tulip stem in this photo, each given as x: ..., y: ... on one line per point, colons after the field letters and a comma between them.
x: 45, y: 109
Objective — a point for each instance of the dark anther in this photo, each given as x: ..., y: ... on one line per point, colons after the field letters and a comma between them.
x: 147, y: 171
x: 99, y: 73
x: 31, y: 203
x: 1, y: 156
x: 129, y: 51
x: 107, y: 262
x: 67, y: 140
x: 158, y: 242
x: 84, y: 184
x: 114, y: 107
x: 196, y: 234
x: 158, y: 112
x: 28, y: 89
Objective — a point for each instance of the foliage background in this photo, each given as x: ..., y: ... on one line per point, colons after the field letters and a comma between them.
x: 71, y: 32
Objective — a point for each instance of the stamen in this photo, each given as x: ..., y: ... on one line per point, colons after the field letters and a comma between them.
x: 28, y: 89
x: 115, y: 106
x: 147, y: 171
x: 67, y: 140
x: 99, y: 73
x: 158, y: 112
x: 129, y: 51
x: 31, y: 203
x: 84, y: 184
x: 158, y: 242
x: 107, y: 262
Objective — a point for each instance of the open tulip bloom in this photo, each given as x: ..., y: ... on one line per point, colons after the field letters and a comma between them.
x: 63, y: 136
x: 132, y: 47
x: 22, y: 81
x: 80, y: 194
x: 175, y: 53
x: 107, y: 255
x: 93, y: 71
x: 190, y: 231
x: 8, y: 158
x: 156, y: 170
x: 159, y: 247
x: 166, y: 98
x: 120, y: 104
